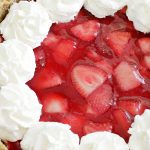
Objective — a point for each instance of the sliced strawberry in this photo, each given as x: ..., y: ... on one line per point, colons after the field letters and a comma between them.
x: 101, y: 99
x: 147, y: 61
x: 105, y: 65
x: 122, y: 122
x: 126, y: 77
x: 86, y: 31
x: 86, y: 78
x: 76, y: 122
x: 91, y: 114
x: 144, y: 44
x: 94, y: 115
x: 63, y: 51
x: 54, y: 103
x: 117, y: 41
x: 45, y: 78
x: 51, y: 40
x: 134, y: 107
x: 93, y: 55
x: 90, y: 111
x: 91, y: 127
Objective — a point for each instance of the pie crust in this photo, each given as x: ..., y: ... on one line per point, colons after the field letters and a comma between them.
x: 4, y: 6
x: 2, y: 146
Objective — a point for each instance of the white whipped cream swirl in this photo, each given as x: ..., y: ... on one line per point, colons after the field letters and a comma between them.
x: 139, y: 12
x: 19, y: 109
x: 17, y: 62
x: 62, y: 10
x: 103, y: 141
x: 140, y: 132
x: 103, y: 8
x: 50, y: 136
x: 26, y: 21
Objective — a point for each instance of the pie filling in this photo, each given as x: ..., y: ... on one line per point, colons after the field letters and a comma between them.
x: 93, y: 74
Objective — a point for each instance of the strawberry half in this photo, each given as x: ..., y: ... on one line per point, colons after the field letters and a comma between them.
x: 118, y: 41
x: 101, y: 99
x: 45, y: 78
x: 91, y: 127
x: 54, y: 103
x: 144, y: 44
x: 63, y: 51
x: 86, y: 31
x: 86, y: 78
x: 134, y: 107
x: 126, y: 77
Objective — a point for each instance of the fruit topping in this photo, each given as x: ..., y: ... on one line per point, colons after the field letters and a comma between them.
x: 91, y: 127
x: 45, y: 78
x: 118, y: 41
x: 93, y: 74
x: 54, y: 103
x: 122, y: 122
x: 147, y: 61
x: 101, y: 99
x: 92, y: 55
x: 87, y: 79
x: 63, y: 51
x: 144, y: 44
x: 134, y: 107
x: 86, y: 31
x: 76, y: 122
x: 39, y: 57
x: 105, y: 65
x: 51, y: 41
x: 126, y: 76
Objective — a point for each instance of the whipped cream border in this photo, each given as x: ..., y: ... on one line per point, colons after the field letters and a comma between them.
x: 42, y: 6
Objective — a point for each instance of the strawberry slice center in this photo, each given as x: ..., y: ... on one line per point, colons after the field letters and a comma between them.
x: 87, y: 78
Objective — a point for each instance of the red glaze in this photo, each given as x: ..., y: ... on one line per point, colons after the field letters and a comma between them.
x: 112, y: 44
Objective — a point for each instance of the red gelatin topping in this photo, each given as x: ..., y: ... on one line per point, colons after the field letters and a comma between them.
x: 93, y: 74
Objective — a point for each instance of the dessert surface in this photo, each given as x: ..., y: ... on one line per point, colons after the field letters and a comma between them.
x: 91, y: 73
x: 78, y: 57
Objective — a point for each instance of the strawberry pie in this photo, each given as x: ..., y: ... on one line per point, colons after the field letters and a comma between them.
x: 75, y: 75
